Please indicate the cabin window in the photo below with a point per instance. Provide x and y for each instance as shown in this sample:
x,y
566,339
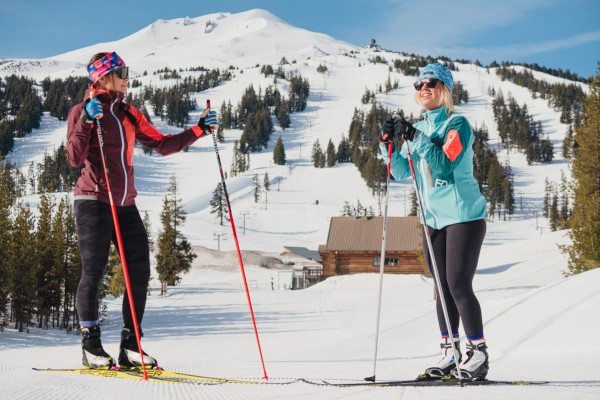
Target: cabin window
x,y
389,262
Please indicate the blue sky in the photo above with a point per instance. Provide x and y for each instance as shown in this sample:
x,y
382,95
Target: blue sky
x,y
555,33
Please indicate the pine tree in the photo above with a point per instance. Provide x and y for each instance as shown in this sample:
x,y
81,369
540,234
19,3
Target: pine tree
x,y
317,155
584,253
554,212
68,259
414,205
564,213
266,182
256,186
174,254
5,236
347,210
283,115
148,228
279,152
22,261
48,285
330,154
218,204
343,151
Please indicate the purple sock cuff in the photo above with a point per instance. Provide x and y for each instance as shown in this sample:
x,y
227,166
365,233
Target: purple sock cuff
x,y
472,338
88,324
445,334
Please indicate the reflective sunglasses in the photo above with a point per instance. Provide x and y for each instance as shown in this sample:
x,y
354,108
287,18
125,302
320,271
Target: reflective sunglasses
x,y
431,83
122,73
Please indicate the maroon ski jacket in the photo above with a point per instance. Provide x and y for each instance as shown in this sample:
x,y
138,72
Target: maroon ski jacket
x,y
121,125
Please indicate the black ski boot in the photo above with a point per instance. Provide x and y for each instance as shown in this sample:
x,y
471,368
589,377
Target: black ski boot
x,y
446,363
94,355
476,366
129,353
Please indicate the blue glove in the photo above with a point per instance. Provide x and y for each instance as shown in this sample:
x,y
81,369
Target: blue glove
x,y
211,120
94,109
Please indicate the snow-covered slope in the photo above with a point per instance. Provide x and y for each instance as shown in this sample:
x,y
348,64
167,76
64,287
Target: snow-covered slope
x,y
213,41
540,325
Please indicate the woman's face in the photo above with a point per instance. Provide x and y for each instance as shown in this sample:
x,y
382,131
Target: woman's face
x,y
113,82
431,98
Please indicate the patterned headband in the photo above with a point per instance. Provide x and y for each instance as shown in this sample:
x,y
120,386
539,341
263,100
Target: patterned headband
x,y
104,66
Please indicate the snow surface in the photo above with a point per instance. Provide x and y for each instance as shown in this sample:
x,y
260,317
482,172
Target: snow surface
x,y
539,324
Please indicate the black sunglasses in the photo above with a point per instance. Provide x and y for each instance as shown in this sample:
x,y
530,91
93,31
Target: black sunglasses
x,y
431,83
122,73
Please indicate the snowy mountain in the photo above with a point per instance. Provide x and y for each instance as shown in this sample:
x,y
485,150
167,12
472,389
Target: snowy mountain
x,y
531,311
214,41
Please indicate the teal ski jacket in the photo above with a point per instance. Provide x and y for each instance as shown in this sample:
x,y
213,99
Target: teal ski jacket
x,y
442,155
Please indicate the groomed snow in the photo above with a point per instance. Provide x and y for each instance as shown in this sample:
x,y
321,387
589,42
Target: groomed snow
x,y
539,324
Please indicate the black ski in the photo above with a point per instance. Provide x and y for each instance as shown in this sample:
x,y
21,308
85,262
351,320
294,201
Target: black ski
x,y
458,383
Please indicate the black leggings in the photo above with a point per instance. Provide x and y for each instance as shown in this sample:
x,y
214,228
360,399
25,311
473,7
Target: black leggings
x,y
95,232
456,249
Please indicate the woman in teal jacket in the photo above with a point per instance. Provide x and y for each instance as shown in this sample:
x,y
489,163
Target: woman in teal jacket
x,y
455,212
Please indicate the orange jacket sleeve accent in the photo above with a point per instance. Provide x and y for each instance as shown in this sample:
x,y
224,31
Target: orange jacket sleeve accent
x,y
452,147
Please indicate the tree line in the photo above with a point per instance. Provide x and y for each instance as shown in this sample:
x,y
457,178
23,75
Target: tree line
x,y
584,221
518,129
564,98
21,110
41,264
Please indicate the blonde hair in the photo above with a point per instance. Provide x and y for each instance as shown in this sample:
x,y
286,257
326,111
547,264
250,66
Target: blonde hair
x,y
446,98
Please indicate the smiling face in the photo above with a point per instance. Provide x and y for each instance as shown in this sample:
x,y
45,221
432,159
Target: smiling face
x,y
431,98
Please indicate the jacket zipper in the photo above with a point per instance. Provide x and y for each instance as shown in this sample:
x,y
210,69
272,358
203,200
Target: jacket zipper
x,y
425,180
122,151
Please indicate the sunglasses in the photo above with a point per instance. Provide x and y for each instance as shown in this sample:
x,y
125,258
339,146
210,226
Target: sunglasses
x,y
431,83
122,73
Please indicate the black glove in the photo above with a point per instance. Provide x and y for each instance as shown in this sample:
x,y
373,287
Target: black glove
x,y
406,130
203,126
389,129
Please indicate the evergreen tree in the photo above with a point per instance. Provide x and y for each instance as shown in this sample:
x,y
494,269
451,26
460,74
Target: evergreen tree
x,y
564,213
5,237
68,261
218,204
279,152
330,154
148,228
22,261
347,210
554,212
256,186
414,205
48,284
283,115
584,253
174,255
266,182
343,151
317,156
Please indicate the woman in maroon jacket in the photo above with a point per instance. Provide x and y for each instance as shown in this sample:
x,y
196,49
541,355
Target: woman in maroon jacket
x,y
121,125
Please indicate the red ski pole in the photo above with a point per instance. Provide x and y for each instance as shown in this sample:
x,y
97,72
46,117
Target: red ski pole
x,y
237,246
382,260
117,227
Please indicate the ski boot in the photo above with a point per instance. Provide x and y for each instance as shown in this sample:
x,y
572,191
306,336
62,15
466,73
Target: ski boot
x,y
129,353
446,363
94,355
476,366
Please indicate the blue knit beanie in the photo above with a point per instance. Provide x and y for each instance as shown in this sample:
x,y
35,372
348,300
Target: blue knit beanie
x,y
437,71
